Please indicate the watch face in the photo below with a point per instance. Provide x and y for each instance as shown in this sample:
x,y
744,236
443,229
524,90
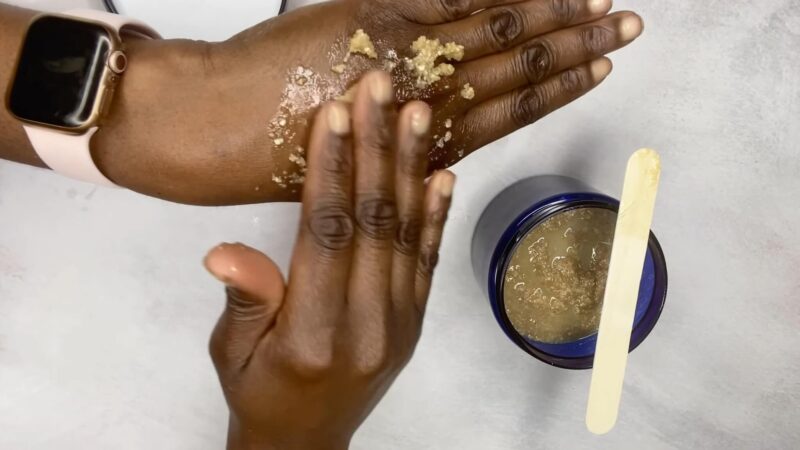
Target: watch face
x,y
60,70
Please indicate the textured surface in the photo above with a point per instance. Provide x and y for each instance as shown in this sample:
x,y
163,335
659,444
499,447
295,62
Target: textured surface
x,y
105,309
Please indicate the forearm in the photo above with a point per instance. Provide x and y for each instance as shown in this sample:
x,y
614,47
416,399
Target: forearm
x,y
14,145
114,147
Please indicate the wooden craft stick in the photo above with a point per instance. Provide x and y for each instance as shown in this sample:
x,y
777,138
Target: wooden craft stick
x,y
628,252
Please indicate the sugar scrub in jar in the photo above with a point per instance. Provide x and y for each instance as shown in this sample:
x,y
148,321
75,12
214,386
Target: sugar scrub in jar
x,y
541,252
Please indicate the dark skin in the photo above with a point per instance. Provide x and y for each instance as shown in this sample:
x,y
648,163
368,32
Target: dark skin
x,y
190,122
303,362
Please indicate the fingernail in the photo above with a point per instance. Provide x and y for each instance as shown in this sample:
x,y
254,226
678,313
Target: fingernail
x,y
420,121
338,119
445,180
599,6
600,68
380,88
218,263
630,27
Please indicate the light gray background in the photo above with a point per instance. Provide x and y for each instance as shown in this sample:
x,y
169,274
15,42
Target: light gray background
x,y
105,308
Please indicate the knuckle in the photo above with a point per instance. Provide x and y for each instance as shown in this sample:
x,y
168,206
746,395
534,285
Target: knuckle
x,y
413,161
536,61
311,365
596,38
428,259
411,338
227,357
505,26
573,80
408,235
564,11
453,9
241,309
528,106
437,218
305,354
331,226
336,162
373,360
376,216
414,164
217,350
378,139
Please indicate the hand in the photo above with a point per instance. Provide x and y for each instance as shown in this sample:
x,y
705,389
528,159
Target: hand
x,y
303,363
201,123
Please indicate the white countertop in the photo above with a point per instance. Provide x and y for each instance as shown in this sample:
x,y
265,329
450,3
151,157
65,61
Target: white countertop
x,y
105,309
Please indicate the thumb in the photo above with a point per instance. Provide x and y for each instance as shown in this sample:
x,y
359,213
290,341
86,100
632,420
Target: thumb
x,y
254,290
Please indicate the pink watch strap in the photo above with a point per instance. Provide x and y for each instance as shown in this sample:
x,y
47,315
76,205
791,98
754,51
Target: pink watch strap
x,y
122,24
69,154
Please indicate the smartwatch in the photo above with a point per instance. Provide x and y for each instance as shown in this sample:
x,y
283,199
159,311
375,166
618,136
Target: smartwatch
x,y
65,78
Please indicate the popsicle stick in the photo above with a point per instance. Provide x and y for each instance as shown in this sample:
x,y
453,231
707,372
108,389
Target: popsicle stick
x,y
622,289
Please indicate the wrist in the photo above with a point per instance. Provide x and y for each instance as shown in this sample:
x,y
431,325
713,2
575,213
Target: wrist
x,y
245,438
124,147
14,144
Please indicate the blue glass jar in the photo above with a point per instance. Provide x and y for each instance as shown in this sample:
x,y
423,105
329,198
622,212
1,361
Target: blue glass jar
x,y
510,216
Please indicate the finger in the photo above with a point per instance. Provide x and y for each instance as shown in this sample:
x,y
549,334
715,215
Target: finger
x,y
412,146
438,197
321,260
501,28
547,55
255,291
507,113
375,214
441,11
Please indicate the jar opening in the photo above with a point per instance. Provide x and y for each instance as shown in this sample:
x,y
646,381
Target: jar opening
x,y
576,353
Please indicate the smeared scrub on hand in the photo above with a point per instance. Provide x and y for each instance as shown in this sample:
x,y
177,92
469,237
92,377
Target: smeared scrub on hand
x,y
296,177
426,52
414,77
425,67
306,90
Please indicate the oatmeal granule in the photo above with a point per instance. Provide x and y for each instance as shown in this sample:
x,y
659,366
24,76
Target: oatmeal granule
x,y
361,43
468,92
297,159
390,60
426,52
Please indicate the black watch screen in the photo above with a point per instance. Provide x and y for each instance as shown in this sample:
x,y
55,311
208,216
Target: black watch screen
x,y
60,71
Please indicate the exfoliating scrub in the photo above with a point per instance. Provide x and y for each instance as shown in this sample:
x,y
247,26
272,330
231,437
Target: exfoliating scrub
x,y
419,70
541,252
555,280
